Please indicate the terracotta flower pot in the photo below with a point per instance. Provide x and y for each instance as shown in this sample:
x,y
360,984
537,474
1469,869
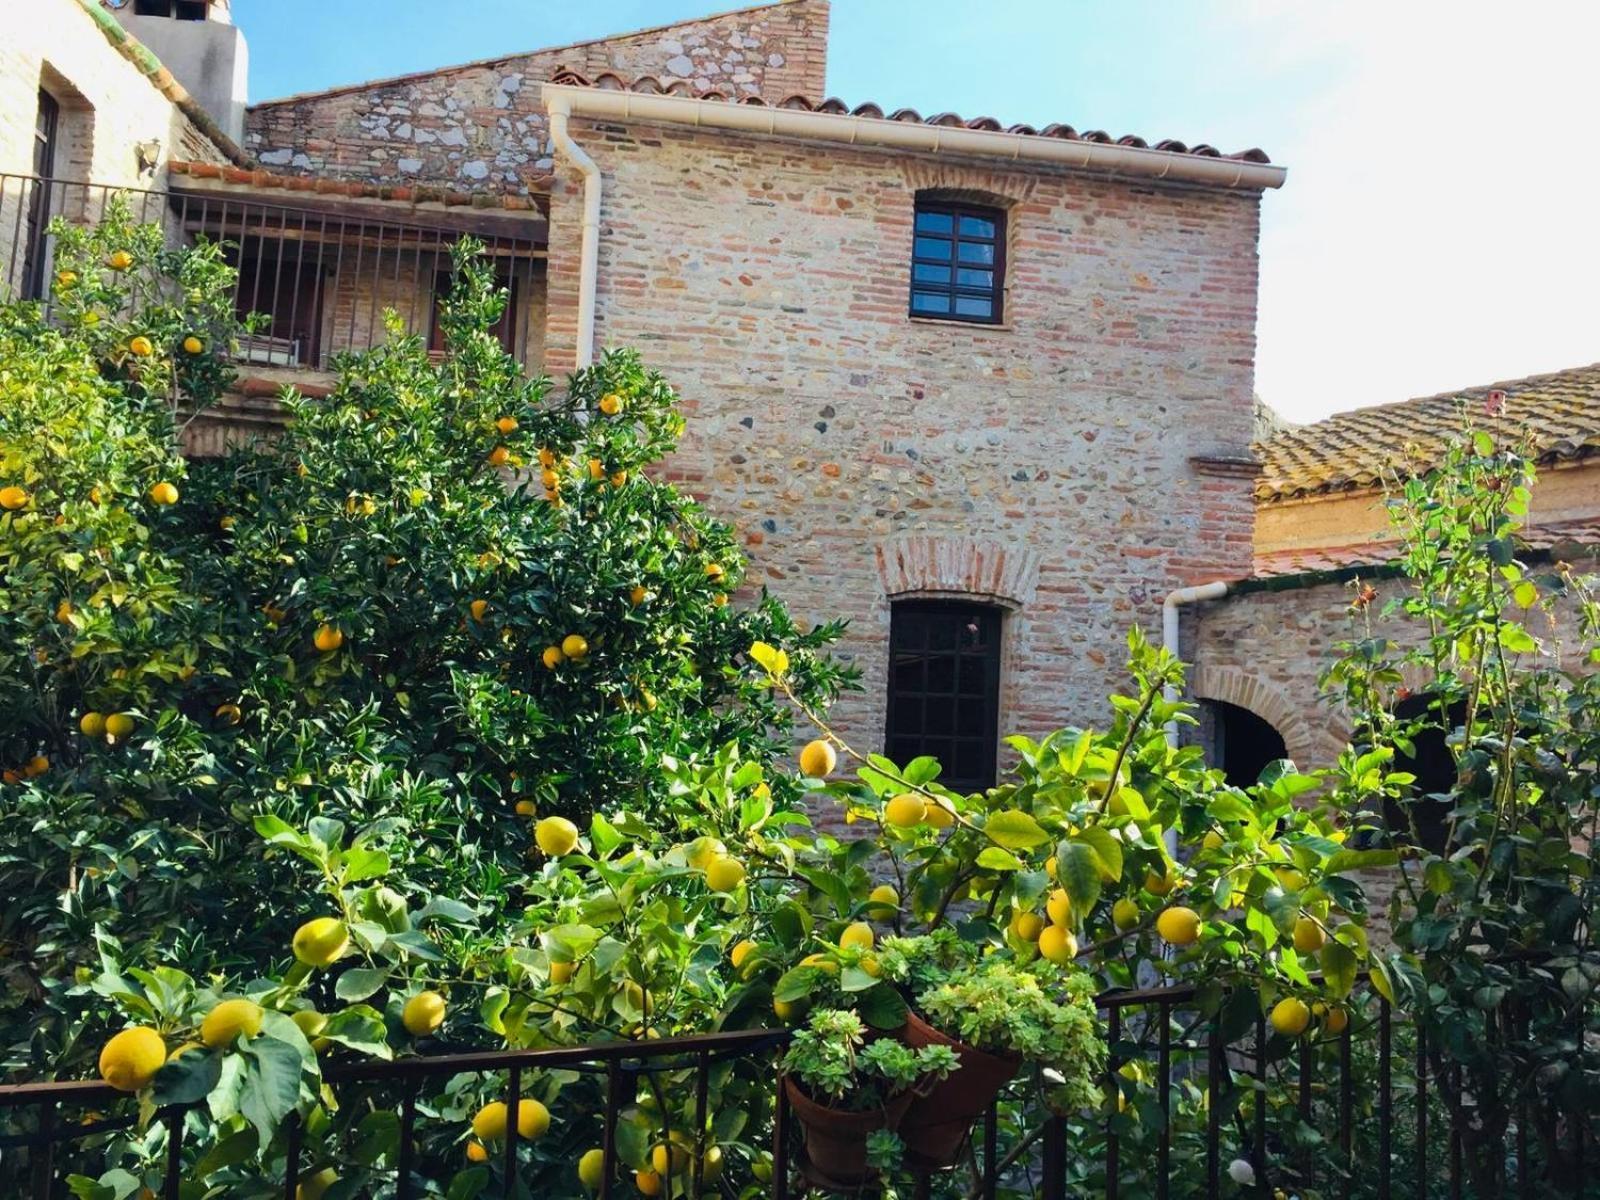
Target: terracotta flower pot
x,y
836,1141
937,1123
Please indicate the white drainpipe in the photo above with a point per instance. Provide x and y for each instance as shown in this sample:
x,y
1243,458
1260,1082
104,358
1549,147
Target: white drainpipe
x,y
559,107
1169,630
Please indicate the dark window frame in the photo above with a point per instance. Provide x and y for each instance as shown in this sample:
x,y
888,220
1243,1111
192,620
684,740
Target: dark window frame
x,y
36,248
953,288
972,718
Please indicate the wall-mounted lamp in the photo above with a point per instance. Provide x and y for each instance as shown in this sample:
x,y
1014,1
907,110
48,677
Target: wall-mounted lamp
x,y
148,154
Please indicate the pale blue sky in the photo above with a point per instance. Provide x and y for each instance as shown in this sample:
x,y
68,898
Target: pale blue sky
x,y
1437,229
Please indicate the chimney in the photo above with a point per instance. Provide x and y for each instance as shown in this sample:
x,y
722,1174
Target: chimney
x,y
197,41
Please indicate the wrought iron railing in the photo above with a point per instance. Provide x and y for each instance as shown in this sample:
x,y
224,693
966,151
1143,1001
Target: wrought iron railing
x,y
322,274
1389,1128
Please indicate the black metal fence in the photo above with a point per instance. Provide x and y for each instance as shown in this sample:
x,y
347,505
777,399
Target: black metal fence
x,y
321,275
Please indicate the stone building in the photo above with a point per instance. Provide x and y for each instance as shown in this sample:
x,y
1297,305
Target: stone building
x,y
984,390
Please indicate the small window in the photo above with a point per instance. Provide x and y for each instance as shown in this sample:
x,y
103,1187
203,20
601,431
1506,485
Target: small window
x,y
944,689
1244,744
40,202
958,262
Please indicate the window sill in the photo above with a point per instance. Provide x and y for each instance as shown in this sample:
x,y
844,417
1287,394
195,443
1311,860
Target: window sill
x,y
951,322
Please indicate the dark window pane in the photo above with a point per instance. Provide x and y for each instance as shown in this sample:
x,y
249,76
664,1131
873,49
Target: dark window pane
x,y
909,673
930,302
971,306
941,717
941,676
970,278
907,717
935,222
973,760
974,675
938,248
977,227
977,252
953,716
928,273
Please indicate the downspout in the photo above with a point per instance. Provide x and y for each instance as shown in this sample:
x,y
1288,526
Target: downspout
x,y
1169,631
560,108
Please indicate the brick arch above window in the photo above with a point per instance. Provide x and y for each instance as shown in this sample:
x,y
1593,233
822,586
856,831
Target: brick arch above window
x,y
1001,189
1312,733
974,568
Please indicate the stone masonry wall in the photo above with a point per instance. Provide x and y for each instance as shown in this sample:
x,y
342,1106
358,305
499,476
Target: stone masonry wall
x,y
482,127
1043,465
107,106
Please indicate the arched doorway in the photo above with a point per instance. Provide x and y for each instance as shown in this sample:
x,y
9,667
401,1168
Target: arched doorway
x,y
1243,744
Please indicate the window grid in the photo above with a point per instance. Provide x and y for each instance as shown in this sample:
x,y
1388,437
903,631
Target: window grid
x,y
944,688
958,263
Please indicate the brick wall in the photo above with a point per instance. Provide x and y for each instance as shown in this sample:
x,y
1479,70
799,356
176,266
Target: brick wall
x,y
107,106
482,126
1044,464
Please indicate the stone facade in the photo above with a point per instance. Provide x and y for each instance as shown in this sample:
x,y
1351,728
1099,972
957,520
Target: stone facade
x,y
482,126
1044,465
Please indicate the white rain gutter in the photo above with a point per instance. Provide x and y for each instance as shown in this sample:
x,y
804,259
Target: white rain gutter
x,y
905,135
1169,630
559,108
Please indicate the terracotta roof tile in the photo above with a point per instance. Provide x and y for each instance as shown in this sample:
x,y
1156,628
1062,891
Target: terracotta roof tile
x,y
404,193
1556,537
1354,450
611,81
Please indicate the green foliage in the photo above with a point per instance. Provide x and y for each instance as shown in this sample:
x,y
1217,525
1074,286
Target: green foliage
x,y
829,1059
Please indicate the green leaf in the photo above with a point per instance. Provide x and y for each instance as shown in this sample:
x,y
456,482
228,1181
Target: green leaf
x,y
883,1008
235,1148
993,858
1360,860
1015,830
1338,968
360,982
1107,849
1526,594
468,1184
361,1028
797,983
362,864
189,1078
271,1086
1078,870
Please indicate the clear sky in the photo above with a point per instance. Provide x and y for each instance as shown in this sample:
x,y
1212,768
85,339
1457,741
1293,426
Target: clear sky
x,y
1441,223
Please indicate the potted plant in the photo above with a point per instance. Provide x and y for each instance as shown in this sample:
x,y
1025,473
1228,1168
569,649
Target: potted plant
x,y
850,1094
993,1016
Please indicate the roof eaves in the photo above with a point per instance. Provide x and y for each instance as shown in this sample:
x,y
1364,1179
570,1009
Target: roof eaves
x,y
147,64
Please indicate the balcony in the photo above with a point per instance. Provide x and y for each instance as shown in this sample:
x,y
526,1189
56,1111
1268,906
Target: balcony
x,y
322,262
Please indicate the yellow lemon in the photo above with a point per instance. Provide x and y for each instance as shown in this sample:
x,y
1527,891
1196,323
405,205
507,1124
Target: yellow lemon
x,y
120,260
905,810
553,657
1057,944
556,836
1059,907
506,424
36,766
575,647
225,1022
857,934
592,1169
939,816
131,1059
1125,914
703,851
477,1152
638,596
884,897
533,1119
499,456
724,874
714,571
193,345
228,714
310,1021
321,942
526,808
423,1013
818,759
179,1051
163,493
1178,925
1027,926
611,404
477,608
92,724
141,347
1159,884
1289,879
1308,935
560,972
1336,1020
711,1165
1212,840
328,638
66,278
316,1186
665,1157
788,1011
1050,866
741,953
118,726
13,498
1290,1016
648,1183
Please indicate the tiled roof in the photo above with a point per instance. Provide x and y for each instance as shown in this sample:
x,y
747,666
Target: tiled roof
x,y
650,85
1354,450
1558,538
405,193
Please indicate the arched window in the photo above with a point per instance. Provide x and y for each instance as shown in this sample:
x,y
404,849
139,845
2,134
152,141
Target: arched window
x,y
944,688
1244,744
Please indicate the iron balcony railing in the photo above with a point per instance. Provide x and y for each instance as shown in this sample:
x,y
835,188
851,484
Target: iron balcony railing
x,y
1388,1128
321,274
